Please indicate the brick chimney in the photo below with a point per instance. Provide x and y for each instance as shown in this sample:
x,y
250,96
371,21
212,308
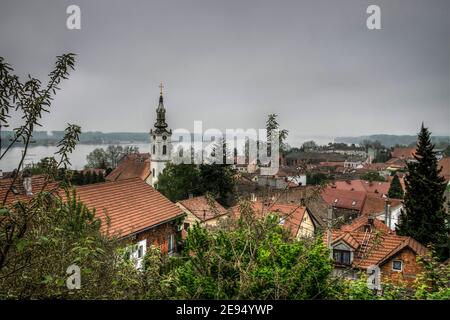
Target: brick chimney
x,y
27,185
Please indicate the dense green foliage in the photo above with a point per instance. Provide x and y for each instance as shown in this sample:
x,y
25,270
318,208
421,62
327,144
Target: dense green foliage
x,y
251,258
372,176
317,178
177,182
424,217
110,157
396,189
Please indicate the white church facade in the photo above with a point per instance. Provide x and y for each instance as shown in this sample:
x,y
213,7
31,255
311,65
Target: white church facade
x,y
160,142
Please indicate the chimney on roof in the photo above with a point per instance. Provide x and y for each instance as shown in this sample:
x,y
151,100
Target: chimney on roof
x,y
370,219
387,212
253,197
191,195
1,174
27,185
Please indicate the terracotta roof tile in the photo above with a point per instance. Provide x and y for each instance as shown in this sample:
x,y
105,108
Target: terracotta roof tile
x,y
381,246
291,214
203,208
377,205
445,164
346,199
130,205
133,165
37,184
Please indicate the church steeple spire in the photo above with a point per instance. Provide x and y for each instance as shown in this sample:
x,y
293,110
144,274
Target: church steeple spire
x,y
160,124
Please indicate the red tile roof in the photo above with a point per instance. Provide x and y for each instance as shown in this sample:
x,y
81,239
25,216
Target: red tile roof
x,y
292,214
38,183
445,164
404,153
203,208
130,205
133,165
377,205
382,245
345,199
375,188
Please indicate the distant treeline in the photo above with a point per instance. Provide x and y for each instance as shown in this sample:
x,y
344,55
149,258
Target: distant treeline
x,y
43,138
390,140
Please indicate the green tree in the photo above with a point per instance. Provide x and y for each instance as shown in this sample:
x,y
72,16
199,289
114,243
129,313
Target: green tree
x,y
87,177
272,124
251,258
424,217
396,189
218,180
318,178
98,158
372,176
176,182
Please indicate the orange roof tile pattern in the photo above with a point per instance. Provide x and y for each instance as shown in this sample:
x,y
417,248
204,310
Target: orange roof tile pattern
x,y
18,193
403,153
378,205
375,188
291,215
345,199
381,246
130,206
203,208
133,165
445,164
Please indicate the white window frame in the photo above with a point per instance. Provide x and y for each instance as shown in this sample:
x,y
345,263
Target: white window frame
x,y
401,265
170,240
134,254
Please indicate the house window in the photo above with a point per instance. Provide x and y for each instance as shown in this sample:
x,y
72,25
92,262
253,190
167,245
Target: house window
x,y
171,244
397,265
164,149
341,256
137,253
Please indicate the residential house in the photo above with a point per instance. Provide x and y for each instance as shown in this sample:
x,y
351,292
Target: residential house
x,y
203,210
346,204
297,219
134,165
134,211
368,242
444,163
374,188
386,210
25,187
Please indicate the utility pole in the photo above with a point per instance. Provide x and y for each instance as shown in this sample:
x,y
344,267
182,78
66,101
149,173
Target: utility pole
x,y
329,226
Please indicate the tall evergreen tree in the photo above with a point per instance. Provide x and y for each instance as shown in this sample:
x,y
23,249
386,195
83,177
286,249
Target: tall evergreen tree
x,y
395,190
423,216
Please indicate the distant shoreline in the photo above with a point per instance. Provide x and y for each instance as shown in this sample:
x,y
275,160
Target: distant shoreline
x,y
52,138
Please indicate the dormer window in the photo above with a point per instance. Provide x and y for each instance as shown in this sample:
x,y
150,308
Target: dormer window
x,y
342,256
397,265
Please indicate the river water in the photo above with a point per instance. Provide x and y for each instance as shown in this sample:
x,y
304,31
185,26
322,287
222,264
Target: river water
x,y
77,158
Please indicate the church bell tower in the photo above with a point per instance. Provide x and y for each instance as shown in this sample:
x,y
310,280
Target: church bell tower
x,y
160,138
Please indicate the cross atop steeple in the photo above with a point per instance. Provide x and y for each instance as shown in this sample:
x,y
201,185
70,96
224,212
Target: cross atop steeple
x,y
161,87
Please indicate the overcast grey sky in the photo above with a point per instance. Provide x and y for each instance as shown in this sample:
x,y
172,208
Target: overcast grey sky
x,y
232,62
